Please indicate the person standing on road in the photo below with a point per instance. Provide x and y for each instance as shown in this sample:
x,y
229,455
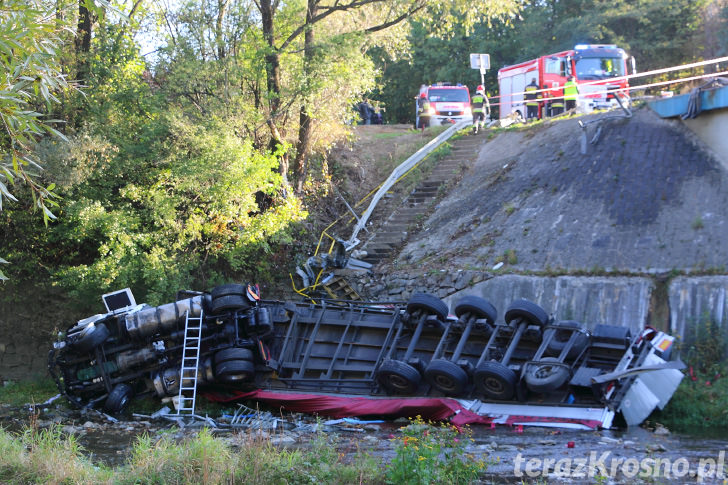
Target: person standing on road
x,y
571,92
423,105
532,96
477,105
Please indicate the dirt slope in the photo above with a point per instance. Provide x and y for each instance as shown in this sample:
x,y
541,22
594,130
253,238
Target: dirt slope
x,y
648,197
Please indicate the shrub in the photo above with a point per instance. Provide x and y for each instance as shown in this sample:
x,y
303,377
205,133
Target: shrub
x,y
433,454
701,400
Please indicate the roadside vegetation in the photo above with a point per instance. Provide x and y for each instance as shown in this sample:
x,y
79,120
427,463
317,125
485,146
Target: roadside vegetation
x,y
424,454
700,404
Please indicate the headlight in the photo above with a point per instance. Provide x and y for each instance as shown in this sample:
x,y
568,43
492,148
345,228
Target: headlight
x,y
431,110
468,112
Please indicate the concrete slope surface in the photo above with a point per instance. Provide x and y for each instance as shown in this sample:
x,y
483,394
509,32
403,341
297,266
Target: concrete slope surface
x,y
647,197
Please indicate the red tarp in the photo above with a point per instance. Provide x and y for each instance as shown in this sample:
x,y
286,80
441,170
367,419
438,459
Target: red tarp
x,y
429,408
435,409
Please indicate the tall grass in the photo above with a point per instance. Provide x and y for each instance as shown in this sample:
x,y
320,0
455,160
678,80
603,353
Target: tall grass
x,y
45,456
50,457
423,453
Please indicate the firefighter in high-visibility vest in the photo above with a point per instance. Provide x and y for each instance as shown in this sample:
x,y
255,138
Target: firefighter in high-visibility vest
x,y
477,105
423,105
571,91
557,105
532,97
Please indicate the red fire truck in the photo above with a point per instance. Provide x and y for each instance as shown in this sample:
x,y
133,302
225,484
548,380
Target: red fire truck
x,y
598,69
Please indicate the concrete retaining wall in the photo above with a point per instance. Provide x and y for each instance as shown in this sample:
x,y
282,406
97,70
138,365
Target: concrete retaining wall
x,y
677,306
693,301
613,301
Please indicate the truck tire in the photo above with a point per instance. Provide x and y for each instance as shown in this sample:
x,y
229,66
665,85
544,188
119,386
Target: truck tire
x,y
234,353
228,302
235,371
91,337
229,289
447,377
612,334
429,304
495,381
561,338
546,376
398,377
529,311
118,398
477,306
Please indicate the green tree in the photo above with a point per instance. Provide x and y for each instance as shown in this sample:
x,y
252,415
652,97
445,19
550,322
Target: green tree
x,y
32,81
281,27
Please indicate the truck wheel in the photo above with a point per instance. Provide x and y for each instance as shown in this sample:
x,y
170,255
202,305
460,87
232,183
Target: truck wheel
x,y
229,289
447,377
561,338
478,307
547,375
118,398
205,374
529,311
229,302
234,353
91,337
495,380
398,377
428,304
235,371
618,337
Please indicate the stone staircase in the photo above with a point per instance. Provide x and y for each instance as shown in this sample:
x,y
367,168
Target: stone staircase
x,y
404,220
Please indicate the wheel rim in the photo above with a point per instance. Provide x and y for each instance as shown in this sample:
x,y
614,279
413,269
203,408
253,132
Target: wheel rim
x,y
235,377
545,371
398,382
493,384
445,383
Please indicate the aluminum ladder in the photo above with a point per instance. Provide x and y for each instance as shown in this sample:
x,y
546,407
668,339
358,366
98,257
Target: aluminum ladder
x,y
190,363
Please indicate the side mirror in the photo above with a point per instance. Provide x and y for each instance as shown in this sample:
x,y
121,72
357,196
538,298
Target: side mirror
x,y
632,65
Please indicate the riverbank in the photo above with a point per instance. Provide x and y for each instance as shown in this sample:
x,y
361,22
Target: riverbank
x,y
53,443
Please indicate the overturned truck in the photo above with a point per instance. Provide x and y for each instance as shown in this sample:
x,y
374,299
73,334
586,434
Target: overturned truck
x,y
353,358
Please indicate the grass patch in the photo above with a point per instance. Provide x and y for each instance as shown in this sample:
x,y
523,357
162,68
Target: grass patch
x,y
700,403
46,456
31,391
385,136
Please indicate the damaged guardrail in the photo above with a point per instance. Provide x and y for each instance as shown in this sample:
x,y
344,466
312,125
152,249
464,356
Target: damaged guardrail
x,y
339,254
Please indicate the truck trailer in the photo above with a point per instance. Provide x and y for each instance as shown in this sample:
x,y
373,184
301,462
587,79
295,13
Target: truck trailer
x,y
353,358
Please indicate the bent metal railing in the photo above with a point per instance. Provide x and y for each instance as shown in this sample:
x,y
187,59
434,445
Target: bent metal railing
x,y
313,279
403,168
